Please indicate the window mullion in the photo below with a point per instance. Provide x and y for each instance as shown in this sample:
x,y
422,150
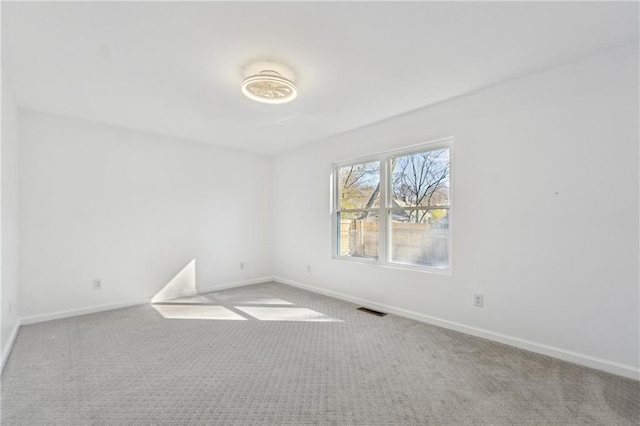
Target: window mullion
x,y
383,245
420,208
356,210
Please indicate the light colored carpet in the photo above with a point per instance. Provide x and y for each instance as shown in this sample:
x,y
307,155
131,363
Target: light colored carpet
x,y
276,355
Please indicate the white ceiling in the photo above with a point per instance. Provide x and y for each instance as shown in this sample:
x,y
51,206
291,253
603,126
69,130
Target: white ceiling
x,y
175,68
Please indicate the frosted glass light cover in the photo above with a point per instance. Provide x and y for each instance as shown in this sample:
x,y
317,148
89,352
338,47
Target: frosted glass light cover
x,y
269,87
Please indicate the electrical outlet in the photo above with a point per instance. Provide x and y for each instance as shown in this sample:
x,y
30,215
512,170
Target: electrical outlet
x,y
478,300
241,265
309,269
97,284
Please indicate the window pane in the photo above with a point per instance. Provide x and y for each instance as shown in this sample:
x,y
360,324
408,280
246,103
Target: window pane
x,y
358,234
420,179
359,186
420,237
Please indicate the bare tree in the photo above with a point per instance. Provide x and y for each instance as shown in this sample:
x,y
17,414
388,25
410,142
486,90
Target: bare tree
x,y
421,180
357,184
418,180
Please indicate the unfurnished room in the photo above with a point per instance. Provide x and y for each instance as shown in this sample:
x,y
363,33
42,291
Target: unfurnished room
x,y
320,213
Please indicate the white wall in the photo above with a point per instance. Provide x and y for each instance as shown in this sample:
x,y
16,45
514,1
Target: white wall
x,y
545,213
133,209
9,302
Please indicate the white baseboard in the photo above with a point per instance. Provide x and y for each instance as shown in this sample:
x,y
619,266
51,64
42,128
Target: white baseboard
x,y
81,311
125,304
187,293
565,355
10,343
209,289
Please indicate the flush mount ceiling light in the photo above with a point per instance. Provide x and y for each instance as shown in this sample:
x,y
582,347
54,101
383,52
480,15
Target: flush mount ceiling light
x,y
269,83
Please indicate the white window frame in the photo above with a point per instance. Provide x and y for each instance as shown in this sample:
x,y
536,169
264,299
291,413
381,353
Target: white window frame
x,y
385,206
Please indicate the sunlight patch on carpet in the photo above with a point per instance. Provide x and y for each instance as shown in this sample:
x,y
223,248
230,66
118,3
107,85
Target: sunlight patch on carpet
x,y
201,312
285,314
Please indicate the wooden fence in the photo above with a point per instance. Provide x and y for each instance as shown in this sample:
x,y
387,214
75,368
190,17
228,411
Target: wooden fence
x,y
414,243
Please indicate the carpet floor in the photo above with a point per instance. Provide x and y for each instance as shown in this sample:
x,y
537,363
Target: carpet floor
x,y
270,354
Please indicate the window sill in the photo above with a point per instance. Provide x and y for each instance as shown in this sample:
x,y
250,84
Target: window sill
x,y
391,265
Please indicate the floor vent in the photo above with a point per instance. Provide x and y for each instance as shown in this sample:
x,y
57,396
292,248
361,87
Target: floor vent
x,y
372,312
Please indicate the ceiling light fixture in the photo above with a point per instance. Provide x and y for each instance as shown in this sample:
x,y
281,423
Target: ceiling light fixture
x,y
269,83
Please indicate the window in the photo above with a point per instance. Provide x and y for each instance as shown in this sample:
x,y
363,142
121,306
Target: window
x,y
358,210
395,208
